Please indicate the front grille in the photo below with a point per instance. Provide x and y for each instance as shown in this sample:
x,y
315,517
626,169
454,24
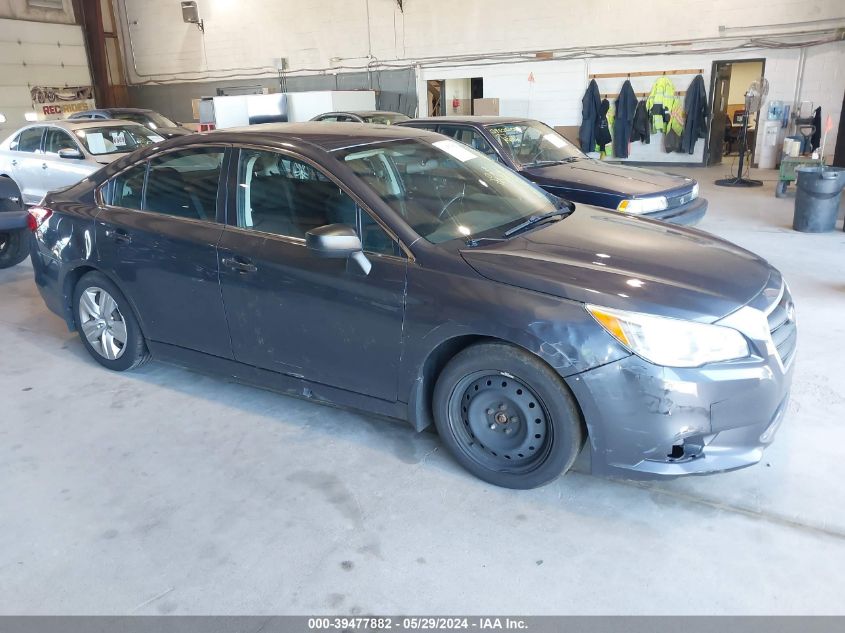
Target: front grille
x,y
680,199
783,329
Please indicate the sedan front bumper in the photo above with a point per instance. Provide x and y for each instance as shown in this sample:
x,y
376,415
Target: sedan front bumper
x,y
687,214
646,421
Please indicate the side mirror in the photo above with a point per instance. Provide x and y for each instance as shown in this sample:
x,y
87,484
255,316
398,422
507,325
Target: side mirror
x,y
70,152
337,241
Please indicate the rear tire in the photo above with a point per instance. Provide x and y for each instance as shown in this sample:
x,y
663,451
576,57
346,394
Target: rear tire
x,y
507,417
107,325
14,245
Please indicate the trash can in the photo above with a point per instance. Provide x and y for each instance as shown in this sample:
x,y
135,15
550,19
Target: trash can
x,y
817,199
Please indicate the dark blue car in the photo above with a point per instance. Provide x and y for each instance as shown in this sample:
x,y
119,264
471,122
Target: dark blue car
x,y
539,153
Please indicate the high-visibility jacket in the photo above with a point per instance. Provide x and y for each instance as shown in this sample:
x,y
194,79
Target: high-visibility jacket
x,y
662,93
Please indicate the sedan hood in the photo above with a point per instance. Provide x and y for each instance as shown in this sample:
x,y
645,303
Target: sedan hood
x,y
172,132
108,159
602,257
595,175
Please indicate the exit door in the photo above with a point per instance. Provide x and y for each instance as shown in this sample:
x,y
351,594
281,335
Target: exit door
x,y
719,120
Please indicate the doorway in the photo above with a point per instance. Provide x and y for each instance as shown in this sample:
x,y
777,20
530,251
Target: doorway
x,y
731,79
434,90
453,96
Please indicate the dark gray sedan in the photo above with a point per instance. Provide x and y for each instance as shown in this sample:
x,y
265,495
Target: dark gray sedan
x,y
400,272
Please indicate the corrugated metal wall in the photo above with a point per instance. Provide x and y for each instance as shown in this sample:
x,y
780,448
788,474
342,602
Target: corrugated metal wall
x,y
37,54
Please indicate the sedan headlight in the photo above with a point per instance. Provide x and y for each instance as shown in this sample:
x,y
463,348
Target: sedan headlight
x,y
671,342
636,206
694,191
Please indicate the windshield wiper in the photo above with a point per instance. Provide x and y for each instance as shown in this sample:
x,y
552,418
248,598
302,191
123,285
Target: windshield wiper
x,y
534,219
475,241
546,163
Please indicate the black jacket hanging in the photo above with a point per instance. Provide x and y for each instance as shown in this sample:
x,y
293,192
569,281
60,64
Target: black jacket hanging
x,y
695,106
816,138
590,105
626,105
640,130
603,128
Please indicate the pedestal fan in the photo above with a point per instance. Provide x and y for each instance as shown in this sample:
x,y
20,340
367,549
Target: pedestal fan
x,y
754,96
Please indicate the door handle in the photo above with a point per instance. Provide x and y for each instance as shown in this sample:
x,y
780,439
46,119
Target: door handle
x,y
14,163
240,265
43,165
119,236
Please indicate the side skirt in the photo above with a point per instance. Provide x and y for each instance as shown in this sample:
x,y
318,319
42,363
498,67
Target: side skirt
x,y
274,381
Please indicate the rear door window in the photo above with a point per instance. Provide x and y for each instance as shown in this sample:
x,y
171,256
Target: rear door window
x,y
127,188
28,141
184,183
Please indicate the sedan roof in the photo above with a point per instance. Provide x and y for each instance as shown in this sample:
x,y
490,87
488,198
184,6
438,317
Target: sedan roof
x,y
363,112
81,124
328,135
467,119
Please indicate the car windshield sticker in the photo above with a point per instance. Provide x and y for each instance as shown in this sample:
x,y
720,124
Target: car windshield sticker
x,y
555,140
96,143
456,150
119,139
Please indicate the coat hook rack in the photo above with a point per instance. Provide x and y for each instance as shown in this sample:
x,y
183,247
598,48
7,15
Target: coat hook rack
x,y
653,73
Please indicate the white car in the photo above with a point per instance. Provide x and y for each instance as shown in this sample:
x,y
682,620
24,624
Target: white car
x,y
51,155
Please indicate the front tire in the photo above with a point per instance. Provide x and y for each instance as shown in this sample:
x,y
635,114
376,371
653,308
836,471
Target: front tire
x,y
13,248
107,325
507,417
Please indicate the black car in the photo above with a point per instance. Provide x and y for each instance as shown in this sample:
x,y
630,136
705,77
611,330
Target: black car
x,y
149,118
382,117
542,155
400,272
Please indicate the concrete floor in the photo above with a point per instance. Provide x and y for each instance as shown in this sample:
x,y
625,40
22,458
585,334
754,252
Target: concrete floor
x,y
164,491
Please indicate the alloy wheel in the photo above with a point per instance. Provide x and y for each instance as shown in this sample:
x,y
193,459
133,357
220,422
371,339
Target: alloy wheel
x,y
102,323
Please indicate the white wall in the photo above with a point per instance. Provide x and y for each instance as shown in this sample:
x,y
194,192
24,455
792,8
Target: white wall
x,y
824,78
460,89
37,54
242,38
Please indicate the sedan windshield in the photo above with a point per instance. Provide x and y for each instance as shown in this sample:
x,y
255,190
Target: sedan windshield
x,y
152,120
531,143
386,118
116,139
445,190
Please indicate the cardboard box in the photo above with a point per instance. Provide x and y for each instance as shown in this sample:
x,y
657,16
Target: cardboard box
x,y
569,132
485,107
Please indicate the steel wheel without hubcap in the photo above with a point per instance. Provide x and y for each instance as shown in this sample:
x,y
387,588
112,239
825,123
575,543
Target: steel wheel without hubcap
x,y
102,323
500,423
